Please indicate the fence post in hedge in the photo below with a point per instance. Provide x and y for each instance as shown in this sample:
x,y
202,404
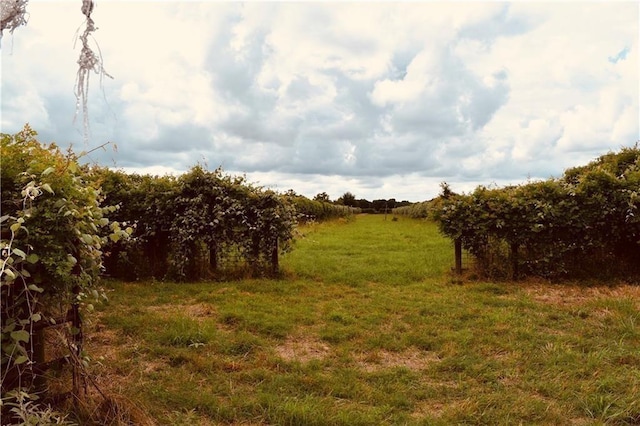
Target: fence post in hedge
x,y
213,257
274,257
458,254
38,358
514,261
76,338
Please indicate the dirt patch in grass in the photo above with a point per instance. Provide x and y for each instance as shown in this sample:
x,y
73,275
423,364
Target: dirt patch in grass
x,y
303,349
199,311
106,341
102,342
436,409
412,358
573,295
428,408
196,311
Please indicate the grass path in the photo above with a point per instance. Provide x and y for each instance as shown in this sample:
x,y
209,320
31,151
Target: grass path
x,y
371,250
366,328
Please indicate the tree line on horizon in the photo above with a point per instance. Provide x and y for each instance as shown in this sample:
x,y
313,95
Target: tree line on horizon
x,y
376,206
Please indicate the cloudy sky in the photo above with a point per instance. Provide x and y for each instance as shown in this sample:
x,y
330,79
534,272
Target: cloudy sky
x,y
380,99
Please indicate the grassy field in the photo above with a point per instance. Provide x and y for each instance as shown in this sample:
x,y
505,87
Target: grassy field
x,y
367,327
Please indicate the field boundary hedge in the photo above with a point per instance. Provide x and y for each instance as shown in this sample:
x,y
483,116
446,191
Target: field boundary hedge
x,y
200,225
585,224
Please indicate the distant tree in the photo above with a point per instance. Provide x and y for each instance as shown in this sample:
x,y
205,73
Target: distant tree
x,y
379,205
323,196
446,191
363,203
347,199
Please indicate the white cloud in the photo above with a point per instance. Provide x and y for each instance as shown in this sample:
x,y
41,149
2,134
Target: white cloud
x,y
338,96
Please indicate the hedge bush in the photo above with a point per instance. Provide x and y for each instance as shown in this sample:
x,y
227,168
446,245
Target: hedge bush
x,y
584,224
200,225
54,227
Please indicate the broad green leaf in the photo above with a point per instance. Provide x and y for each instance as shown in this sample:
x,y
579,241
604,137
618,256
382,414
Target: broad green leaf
x,y
48,171
21,359
9,327
47,188
20,253
15,227
33,258
10,348
35,288
20,336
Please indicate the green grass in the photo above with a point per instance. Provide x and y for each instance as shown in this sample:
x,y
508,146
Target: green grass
x,y
366,326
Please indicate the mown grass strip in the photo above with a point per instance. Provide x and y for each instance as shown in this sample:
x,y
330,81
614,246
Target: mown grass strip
x,y
367,327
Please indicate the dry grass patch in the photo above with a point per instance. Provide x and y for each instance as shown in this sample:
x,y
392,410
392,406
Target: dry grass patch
x,y
437,409
573,295
103,342
412,359
193,310
302,349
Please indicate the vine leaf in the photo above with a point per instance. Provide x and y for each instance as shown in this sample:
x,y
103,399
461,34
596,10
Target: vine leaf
x,y
20,253
20,336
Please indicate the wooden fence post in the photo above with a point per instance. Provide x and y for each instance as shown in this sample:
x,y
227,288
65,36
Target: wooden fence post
x,y
38,358
514,261
213,257
274,258
77,338
458,255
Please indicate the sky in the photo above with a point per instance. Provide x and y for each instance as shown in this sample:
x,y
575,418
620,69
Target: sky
x,y
381,99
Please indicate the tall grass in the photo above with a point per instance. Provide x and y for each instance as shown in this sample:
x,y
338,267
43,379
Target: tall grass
x,y
367,327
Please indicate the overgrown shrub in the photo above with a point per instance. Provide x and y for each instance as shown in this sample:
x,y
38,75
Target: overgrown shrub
x,y
199,225
53,230
585,224
315,210
420,210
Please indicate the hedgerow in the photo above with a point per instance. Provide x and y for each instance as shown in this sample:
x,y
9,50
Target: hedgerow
x,y
314,210
54,227
420,210
584,224
196,226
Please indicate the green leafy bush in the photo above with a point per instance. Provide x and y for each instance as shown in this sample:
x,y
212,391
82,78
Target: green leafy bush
x,y
53,231
585,224
319,210
196,226
420,210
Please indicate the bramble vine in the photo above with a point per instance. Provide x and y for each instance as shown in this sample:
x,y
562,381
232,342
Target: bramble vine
x,y
53,231
186,227
584,224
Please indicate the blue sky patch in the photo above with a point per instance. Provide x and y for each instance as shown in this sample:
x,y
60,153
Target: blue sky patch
x,y
621,56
